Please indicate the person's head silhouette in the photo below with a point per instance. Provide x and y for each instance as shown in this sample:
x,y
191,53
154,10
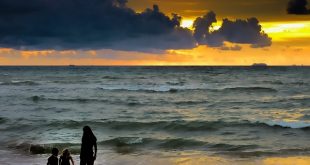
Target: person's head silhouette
x,y
65,153
88,134
55,151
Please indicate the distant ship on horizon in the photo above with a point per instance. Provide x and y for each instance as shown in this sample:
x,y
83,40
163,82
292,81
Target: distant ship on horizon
x,y
259,65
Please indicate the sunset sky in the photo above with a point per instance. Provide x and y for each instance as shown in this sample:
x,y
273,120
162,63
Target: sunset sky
x,y
137,32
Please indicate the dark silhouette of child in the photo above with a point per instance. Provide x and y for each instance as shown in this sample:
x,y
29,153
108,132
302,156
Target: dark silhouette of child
x,y
89,147
65,158
53,159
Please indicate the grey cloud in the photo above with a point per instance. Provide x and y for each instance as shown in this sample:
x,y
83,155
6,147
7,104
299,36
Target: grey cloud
x,y
93,24
239,31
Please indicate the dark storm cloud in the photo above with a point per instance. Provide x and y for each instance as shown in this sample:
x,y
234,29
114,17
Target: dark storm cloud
x,y
298,7
93,24
239,31
110,24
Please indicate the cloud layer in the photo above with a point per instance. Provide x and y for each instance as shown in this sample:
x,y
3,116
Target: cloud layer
x,y
298,7
110,24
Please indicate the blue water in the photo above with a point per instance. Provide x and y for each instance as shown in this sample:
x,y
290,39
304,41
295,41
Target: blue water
x,y
234,111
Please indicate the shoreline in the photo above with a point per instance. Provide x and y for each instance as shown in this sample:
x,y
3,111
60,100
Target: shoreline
x,y
156,66
113,158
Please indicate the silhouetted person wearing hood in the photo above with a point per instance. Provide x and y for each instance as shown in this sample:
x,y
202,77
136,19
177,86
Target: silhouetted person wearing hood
x,y
89,147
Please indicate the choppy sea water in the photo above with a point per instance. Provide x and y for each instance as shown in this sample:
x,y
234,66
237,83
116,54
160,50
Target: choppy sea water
x,y
239,112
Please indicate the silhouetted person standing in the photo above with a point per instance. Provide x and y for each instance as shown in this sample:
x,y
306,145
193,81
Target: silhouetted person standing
x,y
53,159
89,147
65,158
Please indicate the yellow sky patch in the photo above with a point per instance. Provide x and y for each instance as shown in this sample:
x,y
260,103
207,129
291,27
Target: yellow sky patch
x,y
187,23
280,31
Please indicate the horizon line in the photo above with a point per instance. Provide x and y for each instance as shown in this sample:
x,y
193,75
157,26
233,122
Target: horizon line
x,y
73,65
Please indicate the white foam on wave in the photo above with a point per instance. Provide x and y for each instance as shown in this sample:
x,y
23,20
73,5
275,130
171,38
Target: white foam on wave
x,y
156,88
135,141
289,124
300,97
19,82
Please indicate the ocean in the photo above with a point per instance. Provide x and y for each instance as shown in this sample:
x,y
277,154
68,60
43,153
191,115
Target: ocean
x,y
155,115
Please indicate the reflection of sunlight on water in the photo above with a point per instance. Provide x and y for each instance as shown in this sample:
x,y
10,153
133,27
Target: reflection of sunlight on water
x,y
279,117
200,160
112,158
287,161
227,161
286,115
282,115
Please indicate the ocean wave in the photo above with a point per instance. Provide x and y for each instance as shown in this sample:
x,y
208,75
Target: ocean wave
x,y
138,144
80,100
292,124
179,125
124,141
267,102
299,98
90,100
74,81
112,77
276,82
123,77
249,89
156,88
126,101
166,126
175,88
3,120
128,125
299,83
188,102
127,145
20,83
133,143
146,90
279,82
44,148
175,83
305,117
230,147
117,143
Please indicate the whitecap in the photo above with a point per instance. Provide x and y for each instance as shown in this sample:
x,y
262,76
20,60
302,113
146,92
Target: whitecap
x,y
289,124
